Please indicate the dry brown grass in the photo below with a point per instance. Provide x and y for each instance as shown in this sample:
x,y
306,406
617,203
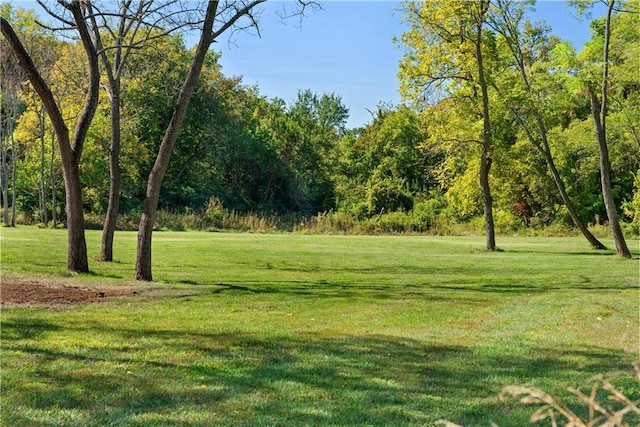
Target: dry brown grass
x,y
611,413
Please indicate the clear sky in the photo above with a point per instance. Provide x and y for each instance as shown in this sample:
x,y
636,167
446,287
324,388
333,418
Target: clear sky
x,y
346,48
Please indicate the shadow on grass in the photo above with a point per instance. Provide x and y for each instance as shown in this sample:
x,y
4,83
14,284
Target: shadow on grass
x,y
22,328
454,291
165,377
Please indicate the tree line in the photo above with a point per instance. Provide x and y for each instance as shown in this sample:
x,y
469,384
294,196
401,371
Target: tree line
x,y
503,122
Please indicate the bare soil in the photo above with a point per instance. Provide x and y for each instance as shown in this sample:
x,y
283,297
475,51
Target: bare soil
x,y
17,291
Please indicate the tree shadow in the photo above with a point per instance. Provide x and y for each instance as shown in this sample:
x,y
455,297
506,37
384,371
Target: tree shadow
x,y
209,378
440,289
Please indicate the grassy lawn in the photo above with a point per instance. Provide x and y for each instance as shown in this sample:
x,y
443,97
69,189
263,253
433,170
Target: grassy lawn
x,y
287,329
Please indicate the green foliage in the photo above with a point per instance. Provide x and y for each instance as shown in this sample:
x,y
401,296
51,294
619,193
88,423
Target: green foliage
x,y
388,196
634,211
277,164
381,164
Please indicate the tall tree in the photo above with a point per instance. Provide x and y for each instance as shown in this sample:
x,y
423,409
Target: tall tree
x,y
70,148
121,28
383,163
599,111
446,57
597,85
305,136
226,14
529,48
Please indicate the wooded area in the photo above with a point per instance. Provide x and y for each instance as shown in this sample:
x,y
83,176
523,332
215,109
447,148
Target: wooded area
x,y
504,123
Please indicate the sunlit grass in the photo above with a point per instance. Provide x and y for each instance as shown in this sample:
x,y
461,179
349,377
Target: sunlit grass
x,y
314,330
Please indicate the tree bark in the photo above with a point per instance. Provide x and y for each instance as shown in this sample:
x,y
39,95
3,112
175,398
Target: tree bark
x,y
4,180
113,71
485,158
605,180
154,182
54,216
43,191
110,222
599,114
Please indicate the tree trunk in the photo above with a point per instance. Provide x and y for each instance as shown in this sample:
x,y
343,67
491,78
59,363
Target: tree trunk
x,y
77,250
43,194
145,230
4,178
487,201
543,147
110,222
53,185
485,158
13,181
70,154
605,180
599,114
113,93
154,182
595,243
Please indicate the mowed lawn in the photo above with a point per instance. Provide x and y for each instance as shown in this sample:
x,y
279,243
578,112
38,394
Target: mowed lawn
x,y
289,329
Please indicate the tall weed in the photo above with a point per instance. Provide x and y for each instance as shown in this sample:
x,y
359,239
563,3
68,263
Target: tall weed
x,y
607,403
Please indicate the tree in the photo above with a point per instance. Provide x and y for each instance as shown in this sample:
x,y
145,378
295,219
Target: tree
x,y
598,93
70,148
226,15
599,110
531,88
304,137
11,79
136,25
446,57
381,166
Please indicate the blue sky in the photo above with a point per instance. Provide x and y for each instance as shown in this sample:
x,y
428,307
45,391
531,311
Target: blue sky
x,y
346,48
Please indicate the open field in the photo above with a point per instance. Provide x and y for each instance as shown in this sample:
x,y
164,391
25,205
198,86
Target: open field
x,y
288,329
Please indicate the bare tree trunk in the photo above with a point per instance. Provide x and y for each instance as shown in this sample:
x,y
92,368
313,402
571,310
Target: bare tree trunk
x,y
13,181
43,193
77,251
110,222
599,114
4,177
114,72
487,201
54,215
605,180
485,158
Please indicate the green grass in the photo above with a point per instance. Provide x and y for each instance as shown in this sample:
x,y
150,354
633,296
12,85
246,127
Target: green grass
x,y
288,329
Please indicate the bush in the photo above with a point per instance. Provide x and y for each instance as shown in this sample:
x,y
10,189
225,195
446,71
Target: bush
x,y
506,222
214,213
392,223
388,196
425,214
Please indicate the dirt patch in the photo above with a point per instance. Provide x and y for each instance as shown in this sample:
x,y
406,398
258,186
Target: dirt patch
x,y
16,291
